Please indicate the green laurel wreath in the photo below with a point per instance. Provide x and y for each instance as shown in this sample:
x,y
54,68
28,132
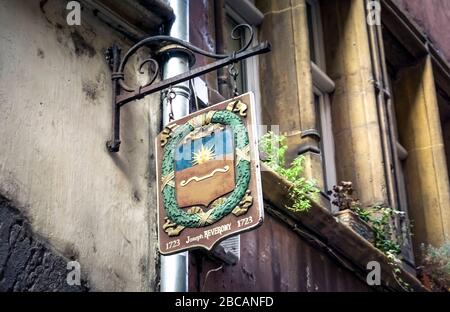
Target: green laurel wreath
x,y
241,141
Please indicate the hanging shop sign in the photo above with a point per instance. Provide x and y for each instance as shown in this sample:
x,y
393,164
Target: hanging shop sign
x,y
209,185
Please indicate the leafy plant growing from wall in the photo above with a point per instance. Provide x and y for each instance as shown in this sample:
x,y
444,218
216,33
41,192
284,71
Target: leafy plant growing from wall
x,y
380,219
273,148
435,270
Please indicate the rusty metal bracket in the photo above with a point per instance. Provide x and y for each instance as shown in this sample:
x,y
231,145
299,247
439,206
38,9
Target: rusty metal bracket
x,y
123,94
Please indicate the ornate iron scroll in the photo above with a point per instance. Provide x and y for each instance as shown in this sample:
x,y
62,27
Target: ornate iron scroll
x,y
123,93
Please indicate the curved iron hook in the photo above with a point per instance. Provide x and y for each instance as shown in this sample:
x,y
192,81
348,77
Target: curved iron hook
x,y
237,36
155,70
153,62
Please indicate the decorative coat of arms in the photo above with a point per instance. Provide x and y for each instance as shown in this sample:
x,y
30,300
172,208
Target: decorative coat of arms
x,y
208,176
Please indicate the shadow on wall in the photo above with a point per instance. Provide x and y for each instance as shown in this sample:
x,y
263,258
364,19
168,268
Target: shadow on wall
x,y
26,262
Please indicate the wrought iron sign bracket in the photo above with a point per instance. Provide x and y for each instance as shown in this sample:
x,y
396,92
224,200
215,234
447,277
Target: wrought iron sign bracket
x,y
123,94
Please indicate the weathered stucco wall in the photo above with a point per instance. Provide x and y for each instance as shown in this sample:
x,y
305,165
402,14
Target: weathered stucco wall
x,y
55,116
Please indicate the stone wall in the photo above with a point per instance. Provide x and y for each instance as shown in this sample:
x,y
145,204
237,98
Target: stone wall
x,y
26,262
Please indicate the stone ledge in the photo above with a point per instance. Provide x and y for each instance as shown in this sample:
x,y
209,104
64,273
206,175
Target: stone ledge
x,y
137,19
340,239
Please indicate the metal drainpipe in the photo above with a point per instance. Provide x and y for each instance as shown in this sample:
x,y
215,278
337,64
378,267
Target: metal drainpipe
x,y
174,268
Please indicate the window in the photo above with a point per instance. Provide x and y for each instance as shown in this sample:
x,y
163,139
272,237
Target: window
x,y
313,19
235,45
322,87
400,81
400,156
247,80
244,12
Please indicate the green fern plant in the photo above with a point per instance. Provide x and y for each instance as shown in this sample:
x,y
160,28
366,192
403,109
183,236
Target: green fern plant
x,y
274,147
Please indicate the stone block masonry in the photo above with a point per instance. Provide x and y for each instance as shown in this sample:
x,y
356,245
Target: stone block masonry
x,y
26,262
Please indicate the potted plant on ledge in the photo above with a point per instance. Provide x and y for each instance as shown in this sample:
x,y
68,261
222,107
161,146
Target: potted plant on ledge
x,y
350,211
372,223
375,223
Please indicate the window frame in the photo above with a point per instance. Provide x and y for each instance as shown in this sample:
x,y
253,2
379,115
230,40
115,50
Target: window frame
x,y
323,86
317,34
251,64
251,80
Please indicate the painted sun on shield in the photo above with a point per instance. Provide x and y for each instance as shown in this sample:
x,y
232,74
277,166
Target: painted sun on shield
x,y
208,176
204,166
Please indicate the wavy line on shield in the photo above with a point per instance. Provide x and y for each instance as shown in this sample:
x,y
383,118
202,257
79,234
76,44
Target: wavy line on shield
x,y
198,179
